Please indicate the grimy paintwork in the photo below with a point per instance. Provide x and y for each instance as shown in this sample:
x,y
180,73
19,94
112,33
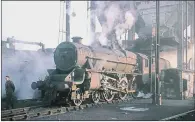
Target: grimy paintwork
x,y
84,72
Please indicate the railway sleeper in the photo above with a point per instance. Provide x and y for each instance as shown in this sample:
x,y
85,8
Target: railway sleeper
x,y
55,111
18,111
15,117
13,113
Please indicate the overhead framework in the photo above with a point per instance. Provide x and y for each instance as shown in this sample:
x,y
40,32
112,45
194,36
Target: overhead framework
x,y
64,29
68,10
62,32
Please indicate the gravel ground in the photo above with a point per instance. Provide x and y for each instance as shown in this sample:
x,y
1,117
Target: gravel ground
x,y
136,110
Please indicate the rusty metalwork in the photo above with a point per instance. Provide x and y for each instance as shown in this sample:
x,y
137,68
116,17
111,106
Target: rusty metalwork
x,y
85,69
106,59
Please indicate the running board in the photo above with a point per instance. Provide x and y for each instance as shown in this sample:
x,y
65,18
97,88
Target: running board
x,y
118,90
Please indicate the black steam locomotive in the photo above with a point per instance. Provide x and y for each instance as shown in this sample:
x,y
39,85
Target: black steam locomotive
x,y
89,73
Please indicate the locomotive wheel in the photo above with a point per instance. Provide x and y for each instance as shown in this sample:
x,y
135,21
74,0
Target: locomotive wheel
x,y
124,86
78,101
122,95
95,96
108,95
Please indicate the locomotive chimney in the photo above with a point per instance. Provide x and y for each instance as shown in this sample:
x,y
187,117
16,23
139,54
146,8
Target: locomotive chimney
x,y
77,39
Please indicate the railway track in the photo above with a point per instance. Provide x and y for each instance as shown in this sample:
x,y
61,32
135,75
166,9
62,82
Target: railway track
x,y
186,116
40,111
18,113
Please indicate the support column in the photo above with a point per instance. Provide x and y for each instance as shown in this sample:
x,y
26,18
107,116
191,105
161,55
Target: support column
x,y
150,67
180,50
68,8
186,47
193,39
151,60
157,51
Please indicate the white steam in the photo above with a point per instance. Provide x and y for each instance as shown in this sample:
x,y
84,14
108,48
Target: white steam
x,y
25,67
117,19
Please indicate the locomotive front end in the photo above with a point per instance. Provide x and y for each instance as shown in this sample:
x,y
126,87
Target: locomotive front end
x,y
65,56
69,59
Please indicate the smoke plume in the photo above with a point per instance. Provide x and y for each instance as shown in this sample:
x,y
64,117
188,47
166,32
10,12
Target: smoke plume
x,y
25,67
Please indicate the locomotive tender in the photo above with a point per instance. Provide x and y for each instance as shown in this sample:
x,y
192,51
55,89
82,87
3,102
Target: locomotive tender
x,y
84,72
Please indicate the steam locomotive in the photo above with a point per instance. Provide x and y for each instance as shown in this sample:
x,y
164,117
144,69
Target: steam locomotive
x,y
86,73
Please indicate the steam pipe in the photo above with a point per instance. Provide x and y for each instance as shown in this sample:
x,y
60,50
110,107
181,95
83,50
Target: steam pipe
x,y
68,7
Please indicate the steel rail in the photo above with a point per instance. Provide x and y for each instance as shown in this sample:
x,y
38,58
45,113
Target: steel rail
x,y
177,116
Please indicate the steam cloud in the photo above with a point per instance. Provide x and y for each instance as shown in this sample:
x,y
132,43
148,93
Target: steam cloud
x,y
25,67
118,18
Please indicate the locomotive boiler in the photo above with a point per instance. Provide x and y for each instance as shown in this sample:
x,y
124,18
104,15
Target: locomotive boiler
x,y
84,72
